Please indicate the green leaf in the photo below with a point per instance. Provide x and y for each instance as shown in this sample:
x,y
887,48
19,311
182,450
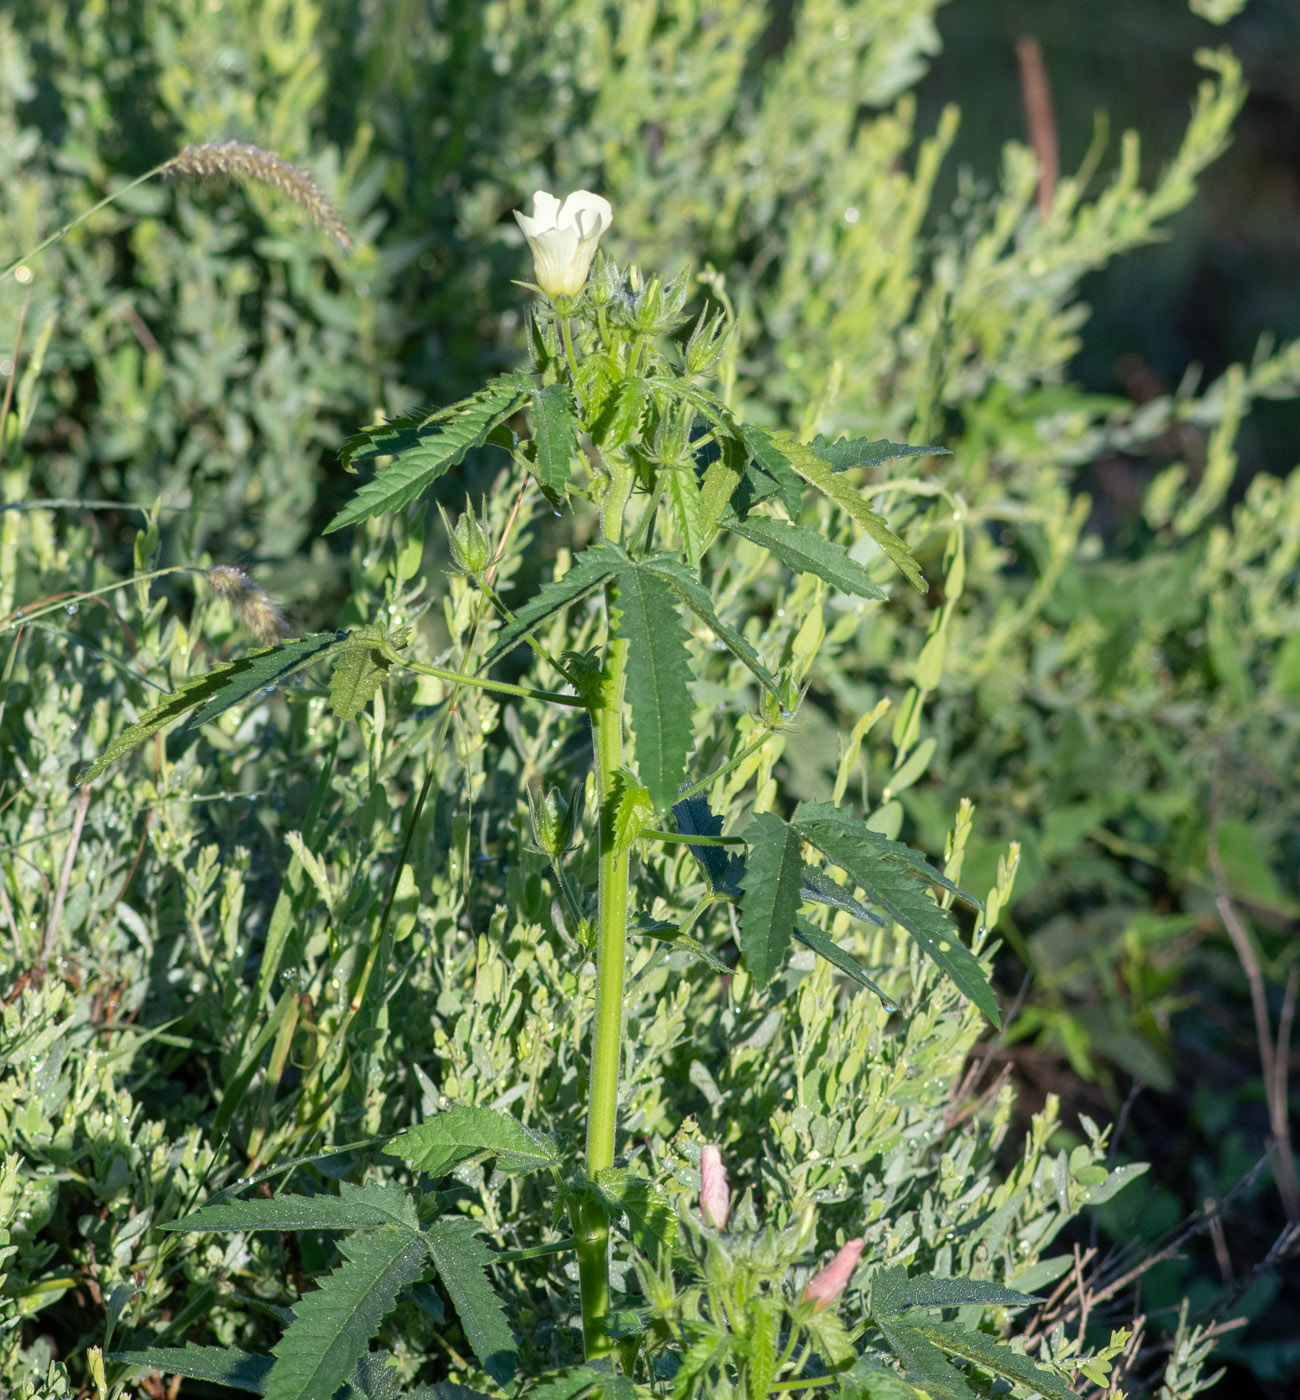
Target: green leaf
x,y
858,452
817,472
807,552
588,571
931,1291
205,697
721,477
555,431
461,1261
333,1323
461,1133
774,477
819,888
354,1208
771,898
658,680
724,868
891,875
688,588
631,810
825,947
359,670
241,1370
683,495
651,1220
418,466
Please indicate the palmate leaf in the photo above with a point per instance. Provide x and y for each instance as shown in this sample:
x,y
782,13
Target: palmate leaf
x,y
461,1261
435,452
658,679
463,1132
354,1208
816,471
241,1370
859,452
205,697
894,879
696,597
923,1344
771,894
333,1323
589,570
806,552
555,431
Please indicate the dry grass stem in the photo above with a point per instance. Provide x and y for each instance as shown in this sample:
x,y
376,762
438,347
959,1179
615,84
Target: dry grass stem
x,y
237,160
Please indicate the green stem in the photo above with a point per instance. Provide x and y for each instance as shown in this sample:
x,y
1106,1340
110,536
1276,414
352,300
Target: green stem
x,y
726,768
501,687
590,1224
568,347
678,838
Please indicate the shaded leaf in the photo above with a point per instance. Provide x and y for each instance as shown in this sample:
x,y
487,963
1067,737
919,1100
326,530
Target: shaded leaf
x,y
241,1370
774,475
807,552
354,1208
724,868
825,947
333,1323
588,571
462,1260
651,1220
819,888
658,680
893,877
463,1132
771,885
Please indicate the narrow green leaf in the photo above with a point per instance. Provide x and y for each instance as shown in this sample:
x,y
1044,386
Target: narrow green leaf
x,y
819,888
205,697
658,680
825,947
631,810
461,1261
334,1322
241,1370
892,877
588,571
418,466
776,478
858,452
761,1342
818,472
991,1355
931,1291
771,899
807,552
556,432
683,493
463,1132
396,435
688,588
354,1208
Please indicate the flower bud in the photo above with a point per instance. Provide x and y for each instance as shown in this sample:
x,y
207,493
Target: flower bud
x,y
715,1193
555,819
707,342
471,549
563,238
824,1287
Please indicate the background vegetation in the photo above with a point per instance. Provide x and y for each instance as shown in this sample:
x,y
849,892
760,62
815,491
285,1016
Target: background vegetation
x,y
1109,655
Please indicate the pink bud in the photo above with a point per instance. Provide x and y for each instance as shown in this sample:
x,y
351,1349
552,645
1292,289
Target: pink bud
x,y
825,1287
715,1194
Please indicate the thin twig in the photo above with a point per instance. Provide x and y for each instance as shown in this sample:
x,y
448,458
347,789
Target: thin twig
x,y
56,910
1036,94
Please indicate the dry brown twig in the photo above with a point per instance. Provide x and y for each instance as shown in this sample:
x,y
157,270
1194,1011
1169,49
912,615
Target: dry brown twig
x,y
1040,119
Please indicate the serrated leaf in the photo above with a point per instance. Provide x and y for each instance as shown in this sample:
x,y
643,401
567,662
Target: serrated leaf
x,y
801,459
333,1323
579,1381
719,482
463,1132
892,876
724,868
241,1370
434,453
859,452
931,1291
807,552
651,1220
658,680
771,884
205,697
670,933
589,570
354,1208
990,1354
688,588
819,888
825,947
631,810
461,1261
359,670
762,1340
555,431
774,477
683,494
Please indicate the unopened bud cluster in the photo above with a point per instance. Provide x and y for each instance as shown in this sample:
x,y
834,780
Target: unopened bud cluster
x,y
555,818
469,542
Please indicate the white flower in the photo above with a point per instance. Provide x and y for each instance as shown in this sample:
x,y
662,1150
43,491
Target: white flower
x,y
563,238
